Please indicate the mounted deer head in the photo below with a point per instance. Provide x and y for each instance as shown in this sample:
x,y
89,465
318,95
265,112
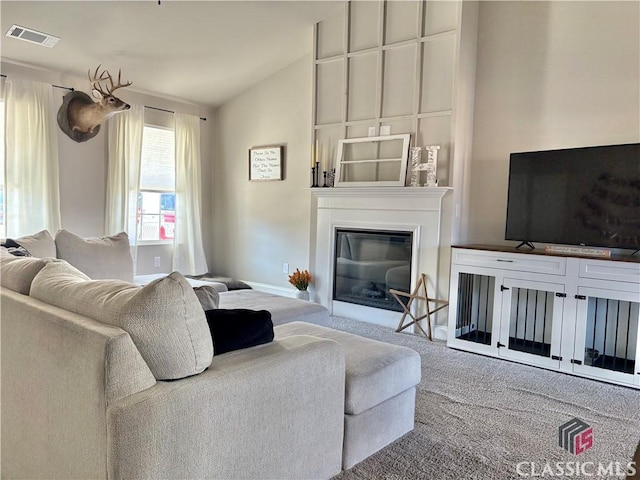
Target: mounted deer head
x,y
85,117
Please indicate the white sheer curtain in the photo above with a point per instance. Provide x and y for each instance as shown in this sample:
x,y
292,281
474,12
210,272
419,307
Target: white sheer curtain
x,y
123,178
188,252
32,189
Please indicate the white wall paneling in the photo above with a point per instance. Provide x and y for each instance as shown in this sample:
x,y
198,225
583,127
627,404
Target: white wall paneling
x,y
397,64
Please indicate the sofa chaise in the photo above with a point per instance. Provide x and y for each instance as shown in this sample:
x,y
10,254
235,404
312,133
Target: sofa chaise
x,y
108,379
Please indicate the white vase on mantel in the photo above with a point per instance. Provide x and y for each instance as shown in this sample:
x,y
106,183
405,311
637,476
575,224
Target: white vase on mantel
x,y
302,294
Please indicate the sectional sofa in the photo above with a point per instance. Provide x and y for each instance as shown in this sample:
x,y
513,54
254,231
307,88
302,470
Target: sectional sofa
x,y
102,378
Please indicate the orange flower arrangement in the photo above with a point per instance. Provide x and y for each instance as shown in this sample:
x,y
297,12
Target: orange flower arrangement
x,y
300,280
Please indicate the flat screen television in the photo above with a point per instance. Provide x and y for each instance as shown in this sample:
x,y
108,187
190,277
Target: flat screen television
x,y
579,196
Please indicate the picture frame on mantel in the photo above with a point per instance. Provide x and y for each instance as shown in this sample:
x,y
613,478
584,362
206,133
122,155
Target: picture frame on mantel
x,y
265,163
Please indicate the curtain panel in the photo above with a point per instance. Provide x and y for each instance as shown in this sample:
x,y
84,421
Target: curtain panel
x,y
188,252
32,188
123,177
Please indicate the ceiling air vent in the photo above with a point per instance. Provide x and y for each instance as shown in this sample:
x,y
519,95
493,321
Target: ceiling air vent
x,y
33,36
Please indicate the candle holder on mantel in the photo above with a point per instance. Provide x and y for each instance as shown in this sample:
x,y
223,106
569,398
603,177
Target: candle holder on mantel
x,y
315,175
324,179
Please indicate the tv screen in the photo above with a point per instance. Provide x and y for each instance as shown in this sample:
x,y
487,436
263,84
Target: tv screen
x,y
579,196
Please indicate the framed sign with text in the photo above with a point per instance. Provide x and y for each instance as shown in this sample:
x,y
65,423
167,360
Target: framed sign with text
x,y
265,163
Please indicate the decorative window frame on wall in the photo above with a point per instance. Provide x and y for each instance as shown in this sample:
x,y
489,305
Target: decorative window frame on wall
x,y
397,164
411,51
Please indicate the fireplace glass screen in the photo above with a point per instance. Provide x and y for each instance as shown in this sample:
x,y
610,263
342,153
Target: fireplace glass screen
x,y
368,264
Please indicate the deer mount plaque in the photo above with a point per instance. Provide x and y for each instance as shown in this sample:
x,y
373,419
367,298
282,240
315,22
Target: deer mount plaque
x,y
79,116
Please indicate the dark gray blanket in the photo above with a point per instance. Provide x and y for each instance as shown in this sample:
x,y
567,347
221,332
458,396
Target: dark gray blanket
x,y
231,283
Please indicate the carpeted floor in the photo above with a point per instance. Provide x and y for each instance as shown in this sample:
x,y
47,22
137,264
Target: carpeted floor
x,y
479,417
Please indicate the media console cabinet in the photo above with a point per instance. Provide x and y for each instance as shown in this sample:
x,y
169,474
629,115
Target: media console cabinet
x,y
573,314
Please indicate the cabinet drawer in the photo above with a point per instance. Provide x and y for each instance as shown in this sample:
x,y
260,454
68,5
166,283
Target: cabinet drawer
x,y
607,270
510,261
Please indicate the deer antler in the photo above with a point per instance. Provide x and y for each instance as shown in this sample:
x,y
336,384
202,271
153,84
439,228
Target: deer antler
x,y
95,80
105,75
119,85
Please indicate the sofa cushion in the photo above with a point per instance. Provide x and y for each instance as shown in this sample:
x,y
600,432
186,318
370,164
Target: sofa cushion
x,y
237,329
376,371
164,318
282,309
99,258
17,273
39,244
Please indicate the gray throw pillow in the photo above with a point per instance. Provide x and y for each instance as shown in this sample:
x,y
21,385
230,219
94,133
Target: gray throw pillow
x,y
208,296
39,244
98,258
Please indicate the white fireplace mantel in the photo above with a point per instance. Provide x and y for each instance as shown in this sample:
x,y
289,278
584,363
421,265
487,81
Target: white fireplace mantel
x,y
425,211
413,192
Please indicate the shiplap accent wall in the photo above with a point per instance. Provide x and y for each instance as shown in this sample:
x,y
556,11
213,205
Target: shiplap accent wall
x,y
397,64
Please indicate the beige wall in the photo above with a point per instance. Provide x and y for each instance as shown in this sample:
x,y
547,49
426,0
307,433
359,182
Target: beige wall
x,y
549,75
261,225
83,166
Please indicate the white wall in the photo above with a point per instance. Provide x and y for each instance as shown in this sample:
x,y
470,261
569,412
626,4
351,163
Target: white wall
x,y
261,225
83,166
549,75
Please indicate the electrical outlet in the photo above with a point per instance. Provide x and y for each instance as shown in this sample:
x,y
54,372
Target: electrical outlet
x,y
156,261
285,268
385,130
372,131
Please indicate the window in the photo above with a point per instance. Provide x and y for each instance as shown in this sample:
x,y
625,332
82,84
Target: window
x,y
156,199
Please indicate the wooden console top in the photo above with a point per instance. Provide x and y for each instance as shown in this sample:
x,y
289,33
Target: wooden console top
x,y
542,251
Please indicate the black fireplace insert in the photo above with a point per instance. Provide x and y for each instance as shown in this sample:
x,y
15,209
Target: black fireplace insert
x,y
370,262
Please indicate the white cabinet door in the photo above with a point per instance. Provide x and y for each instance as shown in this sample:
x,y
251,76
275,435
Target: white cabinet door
x,y
531,322
607,335
474,307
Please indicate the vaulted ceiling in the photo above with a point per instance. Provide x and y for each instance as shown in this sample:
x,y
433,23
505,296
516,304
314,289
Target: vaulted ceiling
x,y
204,52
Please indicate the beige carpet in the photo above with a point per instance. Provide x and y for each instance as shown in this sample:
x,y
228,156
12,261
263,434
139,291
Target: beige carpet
x,y
479,417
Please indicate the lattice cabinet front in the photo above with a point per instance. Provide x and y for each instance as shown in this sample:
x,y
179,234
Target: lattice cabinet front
x,y
474,319
575,315
532,314
607,335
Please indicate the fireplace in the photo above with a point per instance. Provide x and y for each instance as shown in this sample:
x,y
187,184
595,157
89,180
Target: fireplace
x,y
367,263
418,220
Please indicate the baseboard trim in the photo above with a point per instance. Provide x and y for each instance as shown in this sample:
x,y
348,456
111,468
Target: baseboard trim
x,y
274,289
440,332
